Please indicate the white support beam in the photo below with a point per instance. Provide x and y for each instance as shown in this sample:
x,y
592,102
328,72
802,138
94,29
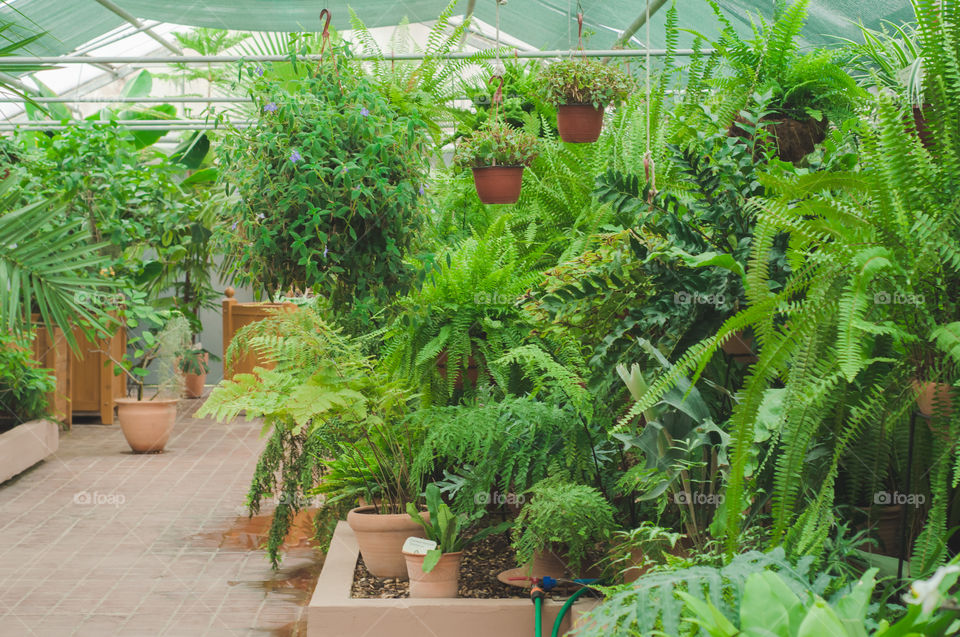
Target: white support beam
x,y
132,19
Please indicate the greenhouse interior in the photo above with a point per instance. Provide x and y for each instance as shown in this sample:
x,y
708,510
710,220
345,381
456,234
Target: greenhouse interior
x,y
459,318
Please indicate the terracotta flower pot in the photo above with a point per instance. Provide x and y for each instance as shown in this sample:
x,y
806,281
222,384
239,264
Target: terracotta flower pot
x,y
381,537
146,424
193,383
440,582
498,184
579,123
931,396
740,346
885,520
473,371
546,562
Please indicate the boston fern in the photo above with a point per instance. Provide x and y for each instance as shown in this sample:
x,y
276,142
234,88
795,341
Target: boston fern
x,y
503,446
870,305
496,144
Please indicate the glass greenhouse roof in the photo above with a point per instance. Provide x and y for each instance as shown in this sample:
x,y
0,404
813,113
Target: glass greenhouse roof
x,y
142,28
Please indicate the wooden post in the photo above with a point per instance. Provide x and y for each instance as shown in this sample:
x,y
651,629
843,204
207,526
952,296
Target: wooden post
x,y
228,303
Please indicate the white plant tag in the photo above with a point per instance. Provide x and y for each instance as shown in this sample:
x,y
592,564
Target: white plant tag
x,y
418,545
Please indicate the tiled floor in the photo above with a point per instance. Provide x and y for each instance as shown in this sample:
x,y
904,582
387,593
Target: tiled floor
x,y
97,541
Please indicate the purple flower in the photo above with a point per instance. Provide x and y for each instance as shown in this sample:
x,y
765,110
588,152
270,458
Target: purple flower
x,y
295,156
233,226
270,108
325,248
421,190
364,111
261,216
259,71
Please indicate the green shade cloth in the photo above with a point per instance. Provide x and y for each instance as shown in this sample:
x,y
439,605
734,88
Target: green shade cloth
x,y
545,24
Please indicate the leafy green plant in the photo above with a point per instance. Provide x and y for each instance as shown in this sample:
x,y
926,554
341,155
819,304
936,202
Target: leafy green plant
x,y
863,312
330,181
889,58
163,338
585,81
572,518
48,269
811,86
652,604
23,385
445,528
503,446
464,313
496,144
651,542
195,360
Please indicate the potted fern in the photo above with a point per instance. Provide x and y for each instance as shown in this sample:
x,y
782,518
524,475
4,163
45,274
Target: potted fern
x,y
497,154
148,422
434,572
581,89
560,526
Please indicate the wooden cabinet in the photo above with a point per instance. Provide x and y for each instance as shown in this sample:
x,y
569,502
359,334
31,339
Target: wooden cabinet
x,y
235,316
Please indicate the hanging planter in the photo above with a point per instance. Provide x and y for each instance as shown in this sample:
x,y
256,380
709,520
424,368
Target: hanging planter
x,y
579,123
581,89
497,155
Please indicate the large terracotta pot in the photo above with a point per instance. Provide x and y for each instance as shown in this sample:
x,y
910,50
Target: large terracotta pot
x,y
147,424
440,582
546,562
886,521
579,123
931,395
498,184
381,537
793,139
193,383
740,347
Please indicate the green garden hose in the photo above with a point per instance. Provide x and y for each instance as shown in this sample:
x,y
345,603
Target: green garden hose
x,y
537,618
563,611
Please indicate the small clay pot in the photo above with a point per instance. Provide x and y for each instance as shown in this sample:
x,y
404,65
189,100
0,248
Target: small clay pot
x,y
931,395
193,383
381,537
546,563
146,424
498,184
439,582
740,347
579,123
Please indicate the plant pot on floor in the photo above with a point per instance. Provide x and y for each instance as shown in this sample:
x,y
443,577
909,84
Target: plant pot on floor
x,y
381,537
147,424
498,184
579,123
439,582
193,383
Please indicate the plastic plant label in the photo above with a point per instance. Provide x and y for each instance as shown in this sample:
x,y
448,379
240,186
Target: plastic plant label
x,y
418,545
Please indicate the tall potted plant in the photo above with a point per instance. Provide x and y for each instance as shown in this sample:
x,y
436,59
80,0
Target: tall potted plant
x,y
497,154
148,422
581,89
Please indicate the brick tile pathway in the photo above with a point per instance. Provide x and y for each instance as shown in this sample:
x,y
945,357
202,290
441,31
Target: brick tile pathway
x,y
97,541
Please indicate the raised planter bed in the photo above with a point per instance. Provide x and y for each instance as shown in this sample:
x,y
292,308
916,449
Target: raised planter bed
x,y
235,316
25,445
334,613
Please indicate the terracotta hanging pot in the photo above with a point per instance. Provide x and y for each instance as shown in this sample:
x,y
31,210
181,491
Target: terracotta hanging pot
x,y
886,522
439,582
498,184
923,128
380,537
793,139
473,371
579,123
146,424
